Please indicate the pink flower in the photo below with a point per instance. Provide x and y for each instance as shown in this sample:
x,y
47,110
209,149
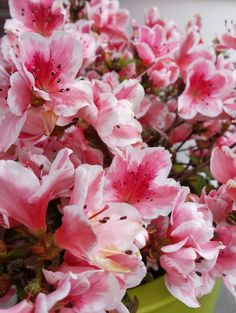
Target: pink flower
x,y
112,114
228,40
108,17
90,290
140,179
153,44
158,115
181,279
81,30
50,67
10,124
192,49
191,251
74,138
25,198
223,164
105,246
164,73
152,16
204,91
42,17
44,86
9,299
223,168
76,234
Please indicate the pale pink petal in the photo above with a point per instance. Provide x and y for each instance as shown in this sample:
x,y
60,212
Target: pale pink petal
x,y
76,234
19,95
130,90
145,53
18,184
223,164
69,55
88,188
44,303
59,179
11,126
68,102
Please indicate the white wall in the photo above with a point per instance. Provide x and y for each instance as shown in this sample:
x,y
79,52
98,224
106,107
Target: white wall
x,y
213,12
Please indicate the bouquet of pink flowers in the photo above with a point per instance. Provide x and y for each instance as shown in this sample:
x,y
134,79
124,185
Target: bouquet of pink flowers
x,y
117,157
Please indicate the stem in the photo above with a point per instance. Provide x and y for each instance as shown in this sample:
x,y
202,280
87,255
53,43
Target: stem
x,y
194,170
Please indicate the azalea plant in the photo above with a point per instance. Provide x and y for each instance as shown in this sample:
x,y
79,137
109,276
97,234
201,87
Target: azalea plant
x,y
117,157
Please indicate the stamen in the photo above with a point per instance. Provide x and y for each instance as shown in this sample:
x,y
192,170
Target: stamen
x,y
129,252
106,207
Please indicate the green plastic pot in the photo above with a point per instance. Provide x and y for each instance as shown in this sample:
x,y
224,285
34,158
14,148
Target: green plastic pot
x,y
153,297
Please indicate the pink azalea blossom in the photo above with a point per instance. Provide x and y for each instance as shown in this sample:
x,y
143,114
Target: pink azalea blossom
x,y
91,290
192,49
10,124
223,168
153,44
42,17
112,114
102,248
25,198
140,179
164,73
223,208
81,30
228,40
158,115
223,164
204,91
54,88
191,251
152,16
108,17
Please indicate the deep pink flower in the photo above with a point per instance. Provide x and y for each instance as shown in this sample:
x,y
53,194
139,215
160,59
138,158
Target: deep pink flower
x,y
42,17
112,114
105,247
81,30
152,16
158,115
164,73
228,40
107,17
140,179
192,49
50,67
152,44
44,87
204,91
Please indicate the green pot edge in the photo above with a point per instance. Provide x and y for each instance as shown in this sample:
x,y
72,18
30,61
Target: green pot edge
x,y
154,296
